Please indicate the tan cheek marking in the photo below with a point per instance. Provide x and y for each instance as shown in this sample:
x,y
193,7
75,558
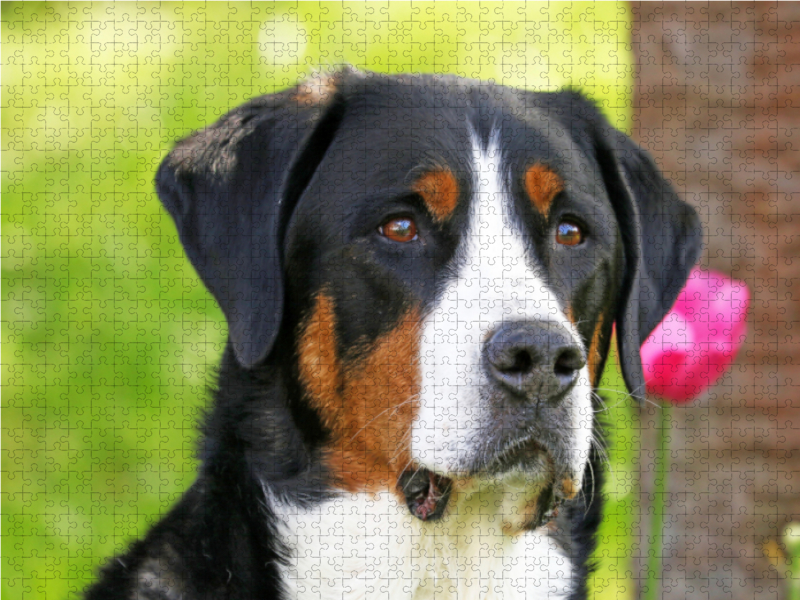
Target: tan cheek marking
x,y
593,360
319,366
542,185
570,318
569,488
594,352
368,405
439,190
381,394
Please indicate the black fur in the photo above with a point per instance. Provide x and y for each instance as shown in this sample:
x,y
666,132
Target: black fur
x,y
662,234
278,200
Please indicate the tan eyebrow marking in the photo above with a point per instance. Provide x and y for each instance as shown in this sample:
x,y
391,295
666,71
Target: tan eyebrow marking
x,y
542,185
439,190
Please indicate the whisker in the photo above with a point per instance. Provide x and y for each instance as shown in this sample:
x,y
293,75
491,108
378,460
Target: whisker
x,y
372,420
402,446
602,450
589,504
625,397
629,394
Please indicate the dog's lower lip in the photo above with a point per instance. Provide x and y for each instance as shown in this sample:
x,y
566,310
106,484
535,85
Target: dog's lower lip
x,y
516,454
425,492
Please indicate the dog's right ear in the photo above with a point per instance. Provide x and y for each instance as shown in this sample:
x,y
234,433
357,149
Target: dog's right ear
x,y
231,188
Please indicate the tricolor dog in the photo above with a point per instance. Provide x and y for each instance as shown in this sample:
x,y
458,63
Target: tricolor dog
x,y
420,276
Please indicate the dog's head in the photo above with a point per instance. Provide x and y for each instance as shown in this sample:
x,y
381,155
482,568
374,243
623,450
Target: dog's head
x,y
448,259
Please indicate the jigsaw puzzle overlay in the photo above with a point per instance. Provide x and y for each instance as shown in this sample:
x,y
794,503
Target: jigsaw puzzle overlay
x,y
110,340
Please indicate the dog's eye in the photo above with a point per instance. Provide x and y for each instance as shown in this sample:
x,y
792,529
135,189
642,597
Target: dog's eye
x,y
569,234
400,229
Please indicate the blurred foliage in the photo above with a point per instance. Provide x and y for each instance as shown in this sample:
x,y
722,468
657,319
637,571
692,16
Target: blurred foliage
x,y
109,338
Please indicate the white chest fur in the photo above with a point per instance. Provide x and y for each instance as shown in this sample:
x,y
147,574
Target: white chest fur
x,y
369,546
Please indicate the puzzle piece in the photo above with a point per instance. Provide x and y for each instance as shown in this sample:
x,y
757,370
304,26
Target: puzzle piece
x,y
111,340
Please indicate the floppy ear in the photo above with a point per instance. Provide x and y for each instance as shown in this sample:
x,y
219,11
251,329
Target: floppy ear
x,y
662,237
230,189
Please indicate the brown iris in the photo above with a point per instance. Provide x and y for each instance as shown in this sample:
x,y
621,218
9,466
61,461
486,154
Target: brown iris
x,y
400,229
569,234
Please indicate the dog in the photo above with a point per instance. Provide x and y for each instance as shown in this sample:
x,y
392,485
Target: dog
x,y
420,276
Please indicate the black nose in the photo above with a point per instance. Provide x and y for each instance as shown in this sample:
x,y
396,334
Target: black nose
x,y
537,360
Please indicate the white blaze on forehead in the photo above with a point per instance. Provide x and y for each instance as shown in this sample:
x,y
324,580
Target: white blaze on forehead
x,y
496,281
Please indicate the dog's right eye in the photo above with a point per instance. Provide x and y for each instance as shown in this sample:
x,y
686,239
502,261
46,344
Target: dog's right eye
x,y
569,233
399,229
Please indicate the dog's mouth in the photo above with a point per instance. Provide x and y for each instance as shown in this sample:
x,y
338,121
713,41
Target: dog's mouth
x,y
426,493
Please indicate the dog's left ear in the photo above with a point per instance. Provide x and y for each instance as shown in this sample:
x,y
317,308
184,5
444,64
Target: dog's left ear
x,y
231,188
662,237
661,234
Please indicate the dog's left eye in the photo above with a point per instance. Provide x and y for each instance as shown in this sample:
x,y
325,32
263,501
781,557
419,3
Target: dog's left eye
x,y
399,229
569,233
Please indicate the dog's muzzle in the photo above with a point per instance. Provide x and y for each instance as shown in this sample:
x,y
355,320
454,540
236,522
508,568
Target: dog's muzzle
x,y
531,367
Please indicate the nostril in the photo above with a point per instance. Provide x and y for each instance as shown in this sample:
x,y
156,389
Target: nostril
x,y
522,362
568,361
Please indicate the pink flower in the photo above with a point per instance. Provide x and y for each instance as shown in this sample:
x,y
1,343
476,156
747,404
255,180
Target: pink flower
x,y
697,341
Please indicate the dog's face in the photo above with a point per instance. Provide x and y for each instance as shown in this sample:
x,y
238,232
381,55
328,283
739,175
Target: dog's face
x,y
446,261
453,289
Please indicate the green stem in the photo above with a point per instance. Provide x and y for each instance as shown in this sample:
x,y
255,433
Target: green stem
x,y
656,541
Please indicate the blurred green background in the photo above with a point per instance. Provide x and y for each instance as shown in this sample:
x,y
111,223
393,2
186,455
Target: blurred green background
x,y
109,338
